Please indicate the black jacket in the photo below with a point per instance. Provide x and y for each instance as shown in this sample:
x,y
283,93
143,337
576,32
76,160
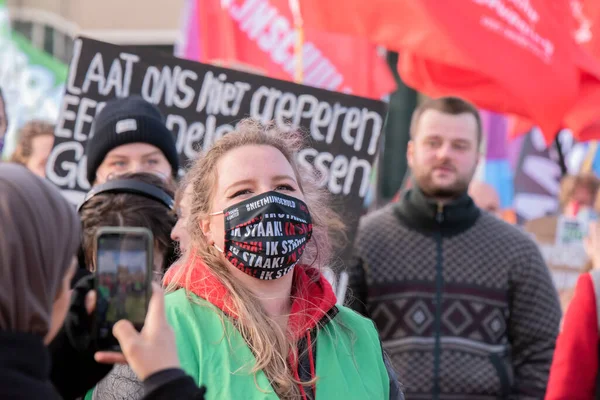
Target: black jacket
x,y
25,368
25,365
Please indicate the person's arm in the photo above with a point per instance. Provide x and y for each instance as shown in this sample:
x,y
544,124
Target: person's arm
x,y
121,383
148,353
533,322
357,286
152,355
575,364
172,384
358,282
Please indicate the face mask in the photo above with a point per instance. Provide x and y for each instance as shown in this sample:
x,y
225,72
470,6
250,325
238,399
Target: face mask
x,y
266,234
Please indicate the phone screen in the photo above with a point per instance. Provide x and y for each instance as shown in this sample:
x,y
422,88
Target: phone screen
x,y
123,266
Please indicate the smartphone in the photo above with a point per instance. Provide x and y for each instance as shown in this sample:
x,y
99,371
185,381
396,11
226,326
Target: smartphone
x,y
123,276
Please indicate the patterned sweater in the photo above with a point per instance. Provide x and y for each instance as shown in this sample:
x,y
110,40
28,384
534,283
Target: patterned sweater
x,y
463,301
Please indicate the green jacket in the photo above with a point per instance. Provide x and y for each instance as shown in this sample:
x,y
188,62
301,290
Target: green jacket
x,y
349,361
338,347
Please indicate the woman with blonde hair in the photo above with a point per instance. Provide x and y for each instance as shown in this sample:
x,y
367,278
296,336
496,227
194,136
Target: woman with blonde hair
x,y
253,316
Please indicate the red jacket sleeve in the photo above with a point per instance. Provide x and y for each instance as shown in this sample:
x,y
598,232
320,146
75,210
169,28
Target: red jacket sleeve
x,y
575,363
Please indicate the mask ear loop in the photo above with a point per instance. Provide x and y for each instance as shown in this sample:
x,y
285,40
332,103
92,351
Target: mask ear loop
x,y
214,244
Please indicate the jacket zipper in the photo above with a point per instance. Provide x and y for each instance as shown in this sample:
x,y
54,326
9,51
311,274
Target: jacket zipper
x,y
310,353
439,283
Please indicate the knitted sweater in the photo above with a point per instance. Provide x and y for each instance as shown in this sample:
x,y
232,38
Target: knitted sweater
x,y
463,301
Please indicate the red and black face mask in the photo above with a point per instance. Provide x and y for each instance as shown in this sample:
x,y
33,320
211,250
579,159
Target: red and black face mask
x,y
266,234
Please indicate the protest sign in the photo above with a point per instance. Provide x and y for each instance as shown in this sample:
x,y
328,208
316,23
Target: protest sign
x,y
560,240
537,175
570,231
202,102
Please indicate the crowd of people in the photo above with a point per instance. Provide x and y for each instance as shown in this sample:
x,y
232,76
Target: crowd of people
x,y
445,300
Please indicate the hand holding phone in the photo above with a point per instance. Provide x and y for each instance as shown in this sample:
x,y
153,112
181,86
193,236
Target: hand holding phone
x,y
123,275
150,351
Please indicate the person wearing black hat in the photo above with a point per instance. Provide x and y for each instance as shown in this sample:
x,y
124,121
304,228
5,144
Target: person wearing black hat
x,y
129,135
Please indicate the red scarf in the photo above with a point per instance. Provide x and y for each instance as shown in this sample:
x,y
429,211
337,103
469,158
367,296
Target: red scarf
x,y
312,294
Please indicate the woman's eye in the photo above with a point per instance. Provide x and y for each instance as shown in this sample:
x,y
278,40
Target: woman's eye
x,y
152,162
240,193
289,188
118,164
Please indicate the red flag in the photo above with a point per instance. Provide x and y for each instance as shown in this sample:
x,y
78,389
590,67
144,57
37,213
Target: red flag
x,y
586,14
583,118
518,126
506,56
259,36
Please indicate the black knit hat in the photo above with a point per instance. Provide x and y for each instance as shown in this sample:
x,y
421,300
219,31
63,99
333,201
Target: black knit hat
x,y
124,121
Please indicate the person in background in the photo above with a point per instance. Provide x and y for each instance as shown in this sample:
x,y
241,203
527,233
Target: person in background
x,y
130,209
35,141
589,248
574,372
40,239
463,301
130,135
578,193
576,198
183,205
485,197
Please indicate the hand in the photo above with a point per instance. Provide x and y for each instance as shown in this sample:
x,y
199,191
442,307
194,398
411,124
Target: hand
x,y
149,351
90,302
592,243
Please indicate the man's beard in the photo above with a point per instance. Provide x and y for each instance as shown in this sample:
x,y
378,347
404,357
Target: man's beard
x,y
447,192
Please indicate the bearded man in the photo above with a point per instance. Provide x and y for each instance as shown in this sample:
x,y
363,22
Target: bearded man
x,y
463,301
